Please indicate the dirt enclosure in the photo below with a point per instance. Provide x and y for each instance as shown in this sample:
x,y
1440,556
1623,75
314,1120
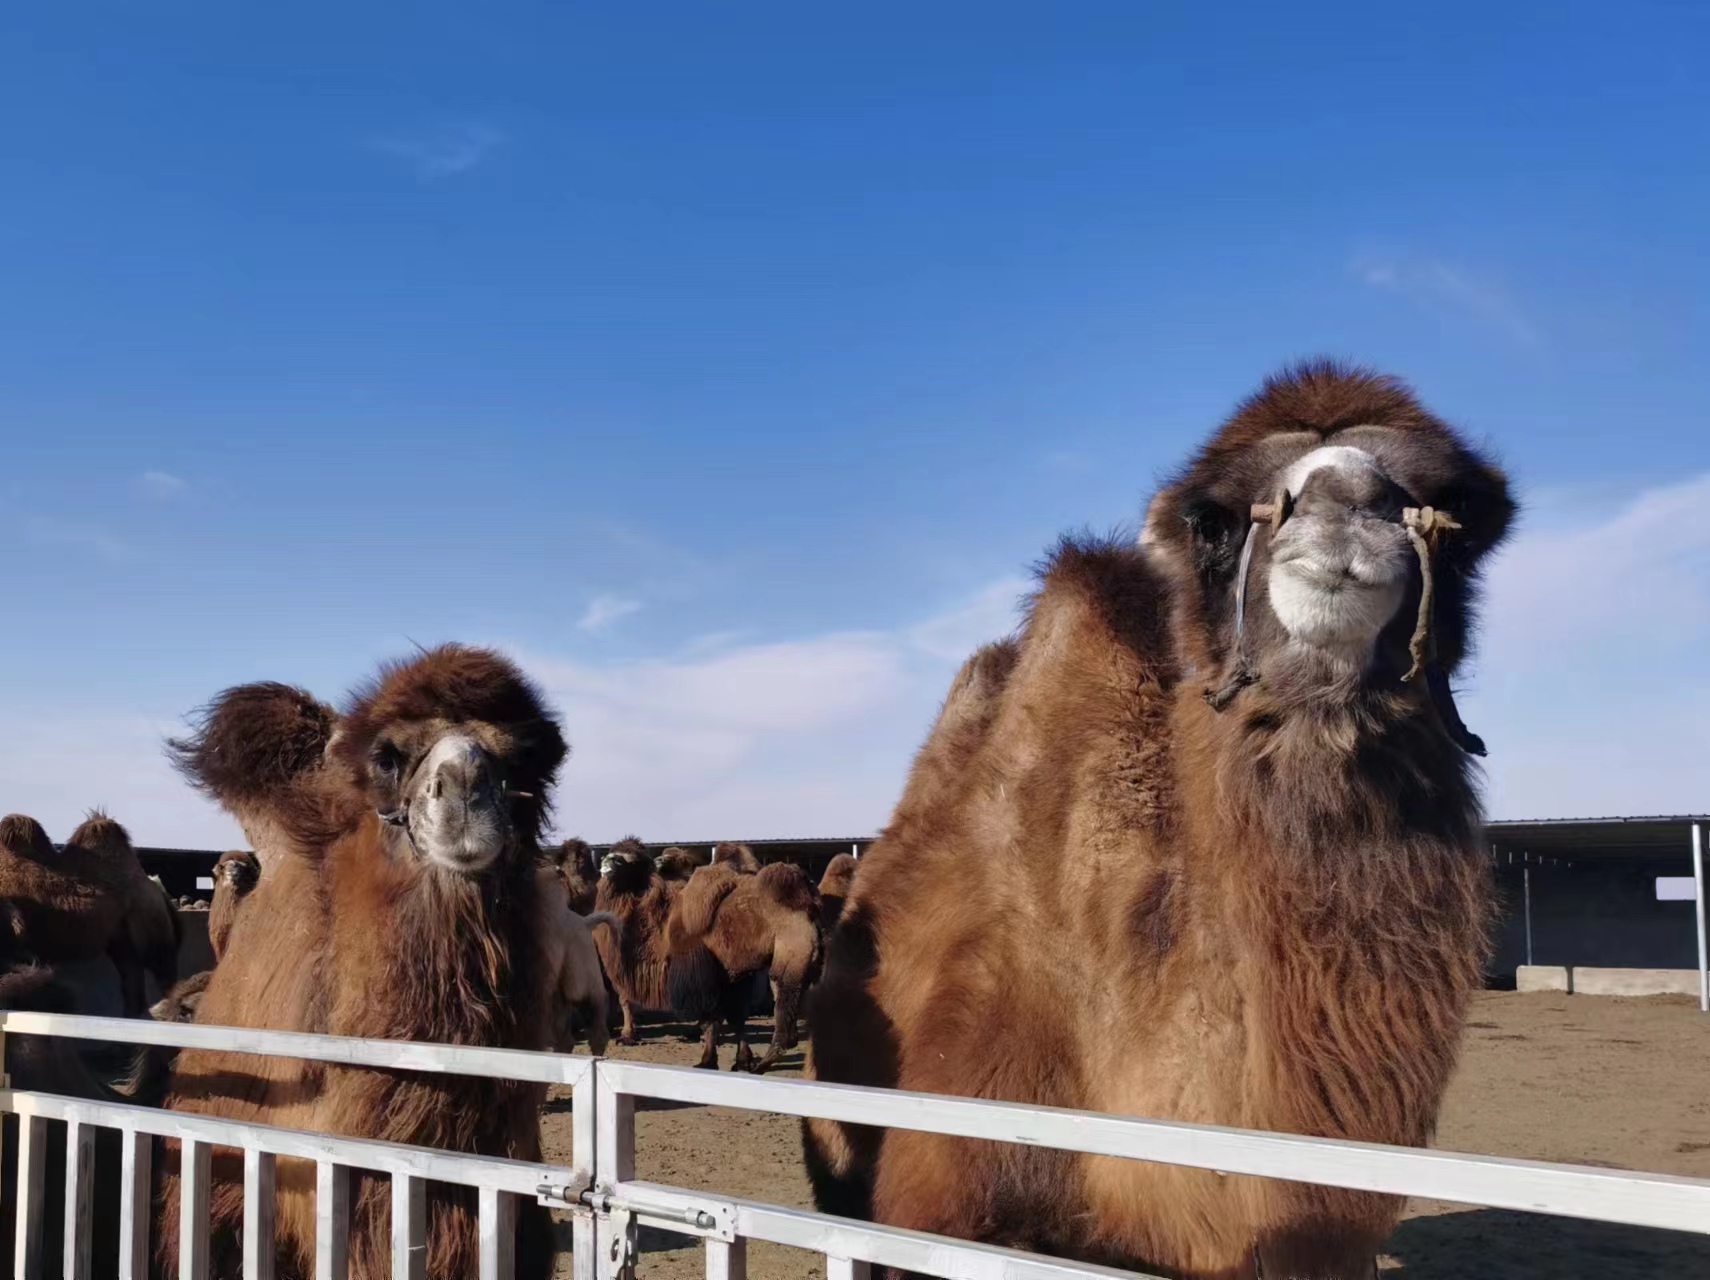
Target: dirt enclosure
x,y
1623,1084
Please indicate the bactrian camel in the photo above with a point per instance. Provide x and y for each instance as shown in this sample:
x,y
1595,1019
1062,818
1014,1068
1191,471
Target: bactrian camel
x,y
400,900
1202,843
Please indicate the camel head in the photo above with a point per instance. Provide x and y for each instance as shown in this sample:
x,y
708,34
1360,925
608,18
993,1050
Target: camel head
x,y
238,869
1327,539
455,751
677,863
738,857
575,857
627,866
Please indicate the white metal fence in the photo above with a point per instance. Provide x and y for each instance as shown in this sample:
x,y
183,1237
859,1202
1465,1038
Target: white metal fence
x,y
608,1205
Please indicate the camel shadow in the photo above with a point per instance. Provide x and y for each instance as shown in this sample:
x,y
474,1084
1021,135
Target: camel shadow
x,y
1504,1245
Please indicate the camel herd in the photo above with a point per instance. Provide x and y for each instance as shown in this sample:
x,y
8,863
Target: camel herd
x,y
1199,841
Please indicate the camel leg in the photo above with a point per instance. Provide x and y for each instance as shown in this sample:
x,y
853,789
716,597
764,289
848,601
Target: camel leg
x,y
736,1022
784,1038
709,1046
627,1034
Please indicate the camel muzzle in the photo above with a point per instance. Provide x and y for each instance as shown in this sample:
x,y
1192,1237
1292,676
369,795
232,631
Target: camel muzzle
x,y
1425,527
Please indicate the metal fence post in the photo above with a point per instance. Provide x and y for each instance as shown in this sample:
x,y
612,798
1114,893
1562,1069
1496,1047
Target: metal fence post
x,y
584,1155
614,1162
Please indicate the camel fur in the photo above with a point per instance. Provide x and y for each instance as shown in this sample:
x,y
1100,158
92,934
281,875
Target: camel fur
x,y
677,864
90,898
377,917
571,961
1270,916
834,885
738,857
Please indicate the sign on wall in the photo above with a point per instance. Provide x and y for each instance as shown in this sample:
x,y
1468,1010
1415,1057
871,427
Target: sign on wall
x,y
1675,889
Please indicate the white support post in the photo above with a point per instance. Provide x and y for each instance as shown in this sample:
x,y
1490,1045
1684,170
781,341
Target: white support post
x,y
79,1197
409,1227
1526,880
195,1170
32,1169
332,1221
614,1162
847,1269
584,1250
260,1206
727,1261
136,1202
1699,909
498,1235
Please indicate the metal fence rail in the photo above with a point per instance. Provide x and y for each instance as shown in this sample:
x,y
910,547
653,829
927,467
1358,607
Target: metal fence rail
x,y
608,1205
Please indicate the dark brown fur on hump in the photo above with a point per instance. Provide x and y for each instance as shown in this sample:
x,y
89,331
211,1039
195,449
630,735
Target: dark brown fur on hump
x,y
23,837
738,857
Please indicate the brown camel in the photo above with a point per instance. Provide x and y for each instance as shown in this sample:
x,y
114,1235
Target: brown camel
x,y
400,900
677,864
834,886
754,925
575,862
638,960
235,876
90,898
738,857
1218,790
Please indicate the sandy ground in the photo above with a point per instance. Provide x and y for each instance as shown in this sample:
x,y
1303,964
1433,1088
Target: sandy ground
x,y
1589,1080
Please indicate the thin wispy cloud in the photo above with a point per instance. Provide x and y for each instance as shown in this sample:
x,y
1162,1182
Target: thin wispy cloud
x,y
161,486
49,531
604,611
443,152
1590,687
1450,291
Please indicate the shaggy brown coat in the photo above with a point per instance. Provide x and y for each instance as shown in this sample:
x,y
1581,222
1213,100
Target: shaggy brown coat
x,y
1271,917
345,937
766,923
738,857
88,899
678,864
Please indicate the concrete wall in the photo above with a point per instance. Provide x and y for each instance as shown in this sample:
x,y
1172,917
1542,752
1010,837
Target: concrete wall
x,y
1584,981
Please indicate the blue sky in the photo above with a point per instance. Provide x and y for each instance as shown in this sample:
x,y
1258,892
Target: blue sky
x,y
730,366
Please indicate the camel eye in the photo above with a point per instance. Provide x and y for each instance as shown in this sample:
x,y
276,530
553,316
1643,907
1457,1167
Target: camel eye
x,y
388,759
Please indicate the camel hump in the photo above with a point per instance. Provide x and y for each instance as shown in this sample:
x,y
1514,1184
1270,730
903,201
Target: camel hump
x,y
252,742
788,885
697,904
100,834
839,875
23,837
738,857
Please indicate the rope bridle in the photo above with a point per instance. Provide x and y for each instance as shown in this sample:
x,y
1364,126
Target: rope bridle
x,y
1425,527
